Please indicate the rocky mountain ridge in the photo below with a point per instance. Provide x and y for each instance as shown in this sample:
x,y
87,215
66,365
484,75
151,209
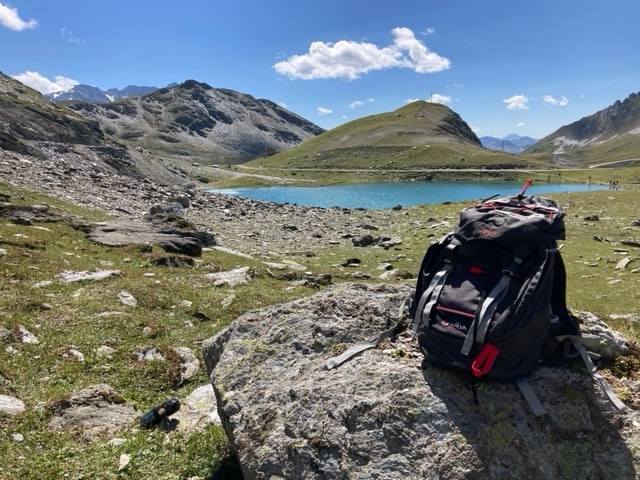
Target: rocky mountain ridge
x,y
616,127
192,121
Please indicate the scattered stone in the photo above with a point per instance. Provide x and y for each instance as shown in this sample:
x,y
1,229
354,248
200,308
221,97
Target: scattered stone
x,y
630,243
127,299
26,336
592,218
363,241
232,278
70,277
612,344
189,364
198,410
105,351
173,261
94,411
351,262
123,461
11,405
622,264
4,333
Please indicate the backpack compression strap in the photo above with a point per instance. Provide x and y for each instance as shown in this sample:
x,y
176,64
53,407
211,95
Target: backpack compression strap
x,y
430,295
577,342
371,342
488,308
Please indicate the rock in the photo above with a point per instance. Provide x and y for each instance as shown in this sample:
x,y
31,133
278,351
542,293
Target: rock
x,y
592,218
611,345
26,336
171,232
622,264
363,241
232,277
70,277
126,299
189,364
380,415
11,405
94,411
198,410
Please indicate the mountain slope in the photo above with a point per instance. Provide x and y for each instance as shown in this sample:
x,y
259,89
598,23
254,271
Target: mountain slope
x,y
28,117
610,135
417,135
196,120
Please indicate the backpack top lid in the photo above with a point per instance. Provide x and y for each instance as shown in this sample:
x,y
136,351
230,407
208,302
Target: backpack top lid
x,y
513,220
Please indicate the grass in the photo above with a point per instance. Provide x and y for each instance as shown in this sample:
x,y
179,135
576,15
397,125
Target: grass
x,y
171,302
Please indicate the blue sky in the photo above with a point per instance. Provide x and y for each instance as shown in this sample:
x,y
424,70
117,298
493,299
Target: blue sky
x,y
519,67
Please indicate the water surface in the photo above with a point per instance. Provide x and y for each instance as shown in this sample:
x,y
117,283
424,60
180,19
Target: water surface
x,y
387,195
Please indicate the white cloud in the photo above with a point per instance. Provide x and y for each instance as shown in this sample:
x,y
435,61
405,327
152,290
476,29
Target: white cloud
x,y
9,18
349,60
437,98
324,111
520,124
70,37
517,102
356,104
428,31
550,100
43,84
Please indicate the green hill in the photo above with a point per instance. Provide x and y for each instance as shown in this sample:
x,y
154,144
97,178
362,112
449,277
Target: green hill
x,y
418,136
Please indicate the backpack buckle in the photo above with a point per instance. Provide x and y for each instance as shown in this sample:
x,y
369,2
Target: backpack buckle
x,y
483,363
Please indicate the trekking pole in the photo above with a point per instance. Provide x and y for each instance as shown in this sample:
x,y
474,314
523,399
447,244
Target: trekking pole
x,y
526,185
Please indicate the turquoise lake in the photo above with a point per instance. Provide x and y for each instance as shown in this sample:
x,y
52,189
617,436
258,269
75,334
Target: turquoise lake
x,y
387,195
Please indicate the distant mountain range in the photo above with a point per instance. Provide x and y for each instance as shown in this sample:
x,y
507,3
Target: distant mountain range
x,y
90,93
511,143
198,123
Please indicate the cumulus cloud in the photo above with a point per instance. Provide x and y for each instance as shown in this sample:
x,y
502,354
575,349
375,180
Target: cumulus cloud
x,y
9,18
324,111
517,102
349,60
42,84
550,100
437,98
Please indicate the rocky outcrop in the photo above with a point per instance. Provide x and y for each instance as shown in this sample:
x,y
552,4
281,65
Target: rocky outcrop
x,y
382,415
171,232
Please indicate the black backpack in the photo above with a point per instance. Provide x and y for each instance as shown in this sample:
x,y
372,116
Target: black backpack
x,y
490,296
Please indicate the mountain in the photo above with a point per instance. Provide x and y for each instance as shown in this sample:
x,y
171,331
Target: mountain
x,y
418,135
610,136
94,94
198,121
29,118
511,143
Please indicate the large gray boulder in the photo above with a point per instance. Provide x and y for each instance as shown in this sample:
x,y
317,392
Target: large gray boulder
x,y
381,415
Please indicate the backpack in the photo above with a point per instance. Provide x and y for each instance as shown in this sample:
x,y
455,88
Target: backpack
x,y
490,296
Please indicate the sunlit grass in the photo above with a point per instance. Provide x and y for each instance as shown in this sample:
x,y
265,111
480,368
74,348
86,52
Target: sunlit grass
x,y
180,307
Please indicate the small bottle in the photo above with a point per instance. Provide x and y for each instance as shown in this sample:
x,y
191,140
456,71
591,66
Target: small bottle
x,y
157,414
